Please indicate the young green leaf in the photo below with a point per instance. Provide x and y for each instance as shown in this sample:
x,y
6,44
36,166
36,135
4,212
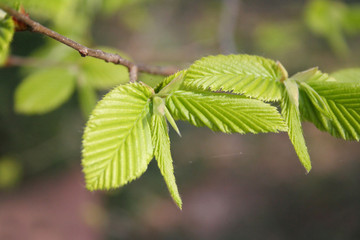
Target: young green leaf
x,y
117,145
171,83
102,75
161,142
253,76
224,112
316,99
6,35
292,90
292,117
305,75
340,95
44,91
159,108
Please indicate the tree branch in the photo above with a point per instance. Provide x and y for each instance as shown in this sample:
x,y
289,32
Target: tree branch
x,y
85,51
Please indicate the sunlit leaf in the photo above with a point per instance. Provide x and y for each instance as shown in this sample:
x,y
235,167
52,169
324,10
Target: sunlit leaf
x,y
340,97
161,142
292,90
252,76
44,91
224,112
117,145
292,117
171,83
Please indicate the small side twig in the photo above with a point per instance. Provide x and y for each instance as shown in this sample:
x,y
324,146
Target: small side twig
x,y
85,51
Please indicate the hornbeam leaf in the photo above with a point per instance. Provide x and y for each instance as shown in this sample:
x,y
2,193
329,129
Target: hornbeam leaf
x,y
347,75
253,76
161,142
43,91
292,90
341,96
171,83
316,99
159,108
224,112
6,35
117,144
171,120
305,75
292,117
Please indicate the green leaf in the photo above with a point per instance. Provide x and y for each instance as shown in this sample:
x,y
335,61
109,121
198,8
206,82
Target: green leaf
x,y
340,96
316,99
6,35
161,142
292,117
292,90
171,120
305,75
117,145
103,75
87,96
253,76
224,112
44,91
347,75
326,18
171,83
160,109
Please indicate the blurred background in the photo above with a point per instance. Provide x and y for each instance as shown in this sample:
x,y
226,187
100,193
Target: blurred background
x,y
232,186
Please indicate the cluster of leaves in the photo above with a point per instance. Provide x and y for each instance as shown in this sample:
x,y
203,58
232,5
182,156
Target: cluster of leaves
x,y
231,94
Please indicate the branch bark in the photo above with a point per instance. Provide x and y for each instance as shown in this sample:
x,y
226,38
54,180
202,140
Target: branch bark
x,y
84,51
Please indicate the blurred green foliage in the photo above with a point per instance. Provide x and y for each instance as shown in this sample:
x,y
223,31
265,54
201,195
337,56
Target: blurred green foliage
x,y
10,172
333,20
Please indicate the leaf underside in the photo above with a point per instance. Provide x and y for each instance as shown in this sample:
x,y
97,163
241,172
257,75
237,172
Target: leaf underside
x,y
253,76
224,112
117,146
161,142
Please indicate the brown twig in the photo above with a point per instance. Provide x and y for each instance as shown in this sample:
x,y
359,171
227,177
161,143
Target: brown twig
x,y
85,51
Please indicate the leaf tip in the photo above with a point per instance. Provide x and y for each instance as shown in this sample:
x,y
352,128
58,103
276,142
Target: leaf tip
x,y
307,168
178,202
